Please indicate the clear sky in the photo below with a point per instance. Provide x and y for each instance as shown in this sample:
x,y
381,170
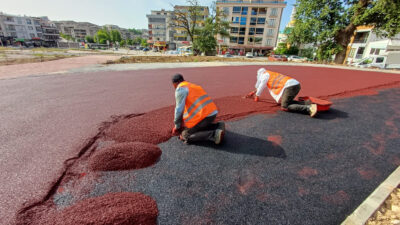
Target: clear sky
x,y
124,13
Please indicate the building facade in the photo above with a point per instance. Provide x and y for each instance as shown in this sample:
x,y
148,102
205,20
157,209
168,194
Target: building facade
x,y
77,30
160,33
254,24
365,43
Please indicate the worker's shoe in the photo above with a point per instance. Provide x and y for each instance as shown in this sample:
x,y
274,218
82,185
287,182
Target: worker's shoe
x,y
221,125
313,110
219,136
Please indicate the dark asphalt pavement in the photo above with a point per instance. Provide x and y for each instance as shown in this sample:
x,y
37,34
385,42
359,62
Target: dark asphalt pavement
x,y
46,120
316,172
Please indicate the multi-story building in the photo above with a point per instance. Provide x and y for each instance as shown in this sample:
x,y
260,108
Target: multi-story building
x,y
77,30
365,43
160,33
254,24
181,37
51,35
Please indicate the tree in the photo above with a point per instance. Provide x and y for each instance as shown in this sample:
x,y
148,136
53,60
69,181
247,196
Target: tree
x,y
188,17
283,49
67,37
104,35
135,31
144,43
89,39
330,24
205,39
122,43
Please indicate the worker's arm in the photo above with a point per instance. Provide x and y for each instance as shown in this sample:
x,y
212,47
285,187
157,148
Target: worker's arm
x,y
262,84
180,96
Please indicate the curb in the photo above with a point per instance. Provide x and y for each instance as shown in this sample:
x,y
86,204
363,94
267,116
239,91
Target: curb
x,y
367,209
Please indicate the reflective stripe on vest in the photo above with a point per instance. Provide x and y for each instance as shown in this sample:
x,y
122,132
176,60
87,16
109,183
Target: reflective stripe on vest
x,y
276,81
198,105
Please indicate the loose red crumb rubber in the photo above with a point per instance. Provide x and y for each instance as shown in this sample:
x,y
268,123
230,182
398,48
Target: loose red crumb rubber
x,y
115,208
125,156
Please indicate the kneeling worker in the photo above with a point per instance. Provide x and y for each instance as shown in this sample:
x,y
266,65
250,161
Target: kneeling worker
x,y
282,88
195,112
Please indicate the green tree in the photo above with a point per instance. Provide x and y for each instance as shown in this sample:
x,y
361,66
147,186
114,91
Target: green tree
x,y
188,17
115,36
67,37
283,49
330,24
135,31
144,43
89,39
122,43
104,35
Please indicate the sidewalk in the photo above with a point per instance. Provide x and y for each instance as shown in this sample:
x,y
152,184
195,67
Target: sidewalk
x,y
52,67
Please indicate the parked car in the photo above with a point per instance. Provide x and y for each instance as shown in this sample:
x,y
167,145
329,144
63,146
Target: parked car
x,y
249,55
295,58
146,49
277,58
389,61
228,55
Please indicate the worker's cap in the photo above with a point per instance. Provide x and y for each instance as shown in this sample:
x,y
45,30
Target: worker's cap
x,y
177,78
260,71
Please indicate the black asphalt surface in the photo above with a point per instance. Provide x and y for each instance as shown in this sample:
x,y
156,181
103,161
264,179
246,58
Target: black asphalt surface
x,y
321,172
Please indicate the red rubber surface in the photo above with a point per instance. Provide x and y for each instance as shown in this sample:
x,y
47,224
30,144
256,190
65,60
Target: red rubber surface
x,y
46,120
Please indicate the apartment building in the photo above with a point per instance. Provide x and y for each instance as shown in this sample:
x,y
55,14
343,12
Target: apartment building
x,y
254,24
161,34
365,42
77,30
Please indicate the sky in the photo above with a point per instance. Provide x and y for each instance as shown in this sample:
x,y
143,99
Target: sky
x,y
124,13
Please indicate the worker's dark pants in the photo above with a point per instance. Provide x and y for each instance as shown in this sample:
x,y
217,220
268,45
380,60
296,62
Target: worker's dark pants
x,y
288,102
203,131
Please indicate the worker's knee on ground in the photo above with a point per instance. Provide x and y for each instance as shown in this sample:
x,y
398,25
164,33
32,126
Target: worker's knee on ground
x,y
185,134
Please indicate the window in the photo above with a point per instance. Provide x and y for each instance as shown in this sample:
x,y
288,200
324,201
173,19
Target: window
x,y
269,42
375,51
241,41
258,40
270,32
274,12
235,19
262,11
237,9
260,20
253,21
243,20
30,28
252,31
271,22
250,40
379,60
28,21
32,35
260,31
254,11
234,30
234,40
245,10
242,31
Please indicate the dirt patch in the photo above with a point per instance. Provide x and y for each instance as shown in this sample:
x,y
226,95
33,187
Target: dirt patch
x,y
125,156
174,59
389,213
38,58
115,208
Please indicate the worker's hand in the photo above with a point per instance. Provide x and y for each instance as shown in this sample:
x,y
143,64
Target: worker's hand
x,y
256,99
175,131
251,94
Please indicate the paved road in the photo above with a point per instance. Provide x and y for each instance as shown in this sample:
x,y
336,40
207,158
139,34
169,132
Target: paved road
x,y
45,120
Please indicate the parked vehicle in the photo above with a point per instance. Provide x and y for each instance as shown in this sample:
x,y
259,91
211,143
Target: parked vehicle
x,y
389,61
295,58
249,55
277,58
228,55
146,49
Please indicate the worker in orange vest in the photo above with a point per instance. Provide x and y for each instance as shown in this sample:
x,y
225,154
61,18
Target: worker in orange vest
x,y
282,88
195,113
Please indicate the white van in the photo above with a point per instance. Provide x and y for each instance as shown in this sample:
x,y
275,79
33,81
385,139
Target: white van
x,y
389,61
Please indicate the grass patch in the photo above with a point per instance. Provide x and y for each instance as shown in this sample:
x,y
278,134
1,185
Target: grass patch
x,y
38,58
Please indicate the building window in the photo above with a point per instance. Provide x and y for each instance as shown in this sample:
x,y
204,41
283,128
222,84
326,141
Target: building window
x,y
260,20
260,31
258,40
28,21
254,11
250,40
245,10
380,60
32,35
253,21
270,32
271,23
234,30
269,42
235,19
237,9
262,11
242,31
30,28
234,40
241,41
274,12
243,20
252,31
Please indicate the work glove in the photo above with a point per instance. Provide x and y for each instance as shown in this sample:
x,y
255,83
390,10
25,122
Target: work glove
x,y
256,99
175,131
251,94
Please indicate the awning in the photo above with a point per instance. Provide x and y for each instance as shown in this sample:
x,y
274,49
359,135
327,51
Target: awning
x,y
19,40
160,44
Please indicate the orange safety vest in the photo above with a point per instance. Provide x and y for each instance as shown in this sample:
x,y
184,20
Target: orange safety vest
x,y
197,106
276,82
